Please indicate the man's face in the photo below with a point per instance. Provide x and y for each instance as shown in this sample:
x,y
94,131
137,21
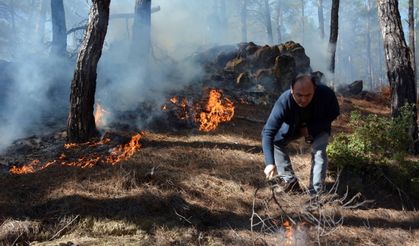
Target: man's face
x,y
303,92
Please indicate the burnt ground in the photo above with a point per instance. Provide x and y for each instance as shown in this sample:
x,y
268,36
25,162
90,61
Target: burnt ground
x,y
193,188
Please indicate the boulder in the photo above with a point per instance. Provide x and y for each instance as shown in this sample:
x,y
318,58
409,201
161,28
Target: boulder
x,y
244,80
273,67
284,71
354,88
295,50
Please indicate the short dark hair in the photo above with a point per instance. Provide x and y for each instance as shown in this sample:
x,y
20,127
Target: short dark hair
x,y
301,76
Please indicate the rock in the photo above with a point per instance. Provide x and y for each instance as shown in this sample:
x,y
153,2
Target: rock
x,y
318,77
355,88
284,71
264,57
236,65
244,81
265,78
247,64
295,50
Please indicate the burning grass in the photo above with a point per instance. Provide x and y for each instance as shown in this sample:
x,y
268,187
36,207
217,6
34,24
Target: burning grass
x,y
86,155
181,189
212,109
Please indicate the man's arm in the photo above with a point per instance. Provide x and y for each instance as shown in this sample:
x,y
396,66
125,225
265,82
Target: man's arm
x,y
273,124
334,107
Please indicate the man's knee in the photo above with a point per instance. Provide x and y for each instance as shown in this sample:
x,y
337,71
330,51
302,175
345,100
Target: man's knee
x,y
320,143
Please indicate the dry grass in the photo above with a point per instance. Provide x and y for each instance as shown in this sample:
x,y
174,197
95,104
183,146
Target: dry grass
x,y
184,188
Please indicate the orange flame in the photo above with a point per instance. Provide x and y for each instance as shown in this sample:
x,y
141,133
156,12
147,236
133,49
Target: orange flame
x,y
119,153
28,168
288,231
126,151
100,114
216,111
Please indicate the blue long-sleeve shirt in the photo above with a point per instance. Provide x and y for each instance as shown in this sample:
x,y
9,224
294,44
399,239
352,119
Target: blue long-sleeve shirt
x,y
283,122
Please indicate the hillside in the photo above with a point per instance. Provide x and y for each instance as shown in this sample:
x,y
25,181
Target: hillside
x,y
188,187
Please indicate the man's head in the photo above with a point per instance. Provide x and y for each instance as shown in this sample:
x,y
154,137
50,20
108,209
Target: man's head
x,y
302,90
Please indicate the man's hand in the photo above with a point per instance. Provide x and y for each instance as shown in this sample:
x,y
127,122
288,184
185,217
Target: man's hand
x,y
270,171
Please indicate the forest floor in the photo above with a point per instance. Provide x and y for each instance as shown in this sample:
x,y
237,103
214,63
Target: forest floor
x,y
193,188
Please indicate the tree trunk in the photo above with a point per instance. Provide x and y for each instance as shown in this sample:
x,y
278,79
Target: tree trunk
x,y
412,42
334,24
400,73
280,22
59,30
268,22
370,72
243,17
141,32
40,23
321,17
302,21
81,123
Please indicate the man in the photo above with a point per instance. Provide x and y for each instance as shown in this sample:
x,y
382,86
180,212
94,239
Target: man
x,y
306,110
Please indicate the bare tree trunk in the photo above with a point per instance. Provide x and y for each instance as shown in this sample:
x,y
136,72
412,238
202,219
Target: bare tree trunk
x,y
40,23
321,17
280,21
59,30
382,67
302,21
141,32
268,22
370,71
412,42
12,15
243,17
400,73
334,27
81,123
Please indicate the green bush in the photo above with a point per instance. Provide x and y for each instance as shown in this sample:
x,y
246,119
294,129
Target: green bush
x,y
377,145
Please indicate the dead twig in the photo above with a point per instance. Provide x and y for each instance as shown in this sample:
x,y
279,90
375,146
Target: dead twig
x,y
62,229
182,217
17,238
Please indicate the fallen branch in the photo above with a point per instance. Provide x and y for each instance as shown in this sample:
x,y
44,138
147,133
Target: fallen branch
x,y
62,229
182,217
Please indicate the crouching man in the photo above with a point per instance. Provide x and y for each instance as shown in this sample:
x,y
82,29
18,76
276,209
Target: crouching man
x,y
305,110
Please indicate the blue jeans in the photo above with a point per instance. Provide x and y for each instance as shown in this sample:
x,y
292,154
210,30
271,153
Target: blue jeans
x,y
318,163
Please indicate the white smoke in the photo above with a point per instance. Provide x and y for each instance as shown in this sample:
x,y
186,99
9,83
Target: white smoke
x,y
180,29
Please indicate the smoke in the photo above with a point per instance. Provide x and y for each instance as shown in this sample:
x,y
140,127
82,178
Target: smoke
x,y
37,90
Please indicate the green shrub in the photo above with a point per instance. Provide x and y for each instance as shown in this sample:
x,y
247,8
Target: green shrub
x,y
377,145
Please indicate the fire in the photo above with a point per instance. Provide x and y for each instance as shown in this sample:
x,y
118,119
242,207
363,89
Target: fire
x,y
216,111
28,168
288,232
208,116
100,115
293,233
126,151
89,160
